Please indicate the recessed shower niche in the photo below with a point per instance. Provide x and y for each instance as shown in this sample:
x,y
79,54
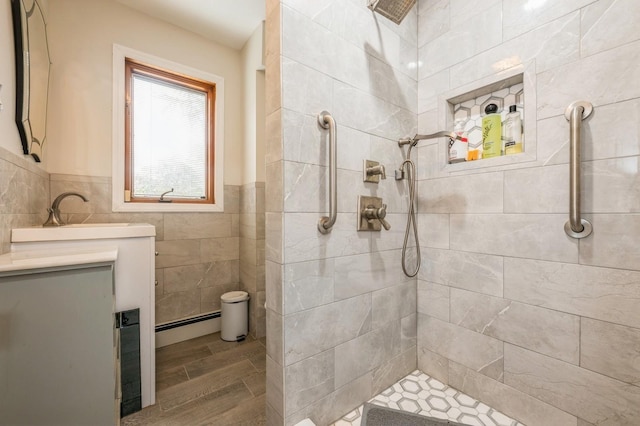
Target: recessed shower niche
x,y
463,110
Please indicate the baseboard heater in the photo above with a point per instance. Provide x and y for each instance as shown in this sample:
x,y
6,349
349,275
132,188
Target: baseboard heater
x,y
187,321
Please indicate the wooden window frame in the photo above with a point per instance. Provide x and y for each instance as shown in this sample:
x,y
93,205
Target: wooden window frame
x,y
133,67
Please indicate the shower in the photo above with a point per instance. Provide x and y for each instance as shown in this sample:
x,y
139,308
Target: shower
x,y
408,170
395,10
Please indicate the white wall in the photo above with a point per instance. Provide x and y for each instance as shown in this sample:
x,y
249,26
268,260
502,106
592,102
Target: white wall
x,y
81,35
253,97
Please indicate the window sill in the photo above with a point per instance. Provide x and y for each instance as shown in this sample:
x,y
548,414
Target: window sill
x,y
166,207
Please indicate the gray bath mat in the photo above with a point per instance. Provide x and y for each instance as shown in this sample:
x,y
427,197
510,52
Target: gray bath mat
x,y
375,415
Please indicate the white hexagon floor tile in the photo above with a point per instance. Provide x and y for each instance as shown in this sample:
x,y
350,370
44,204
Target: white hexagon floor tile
x,y
424,395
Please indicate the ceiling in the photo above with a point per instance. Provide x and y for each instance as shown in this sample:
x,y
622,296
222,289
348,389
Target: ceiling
x,y
228,22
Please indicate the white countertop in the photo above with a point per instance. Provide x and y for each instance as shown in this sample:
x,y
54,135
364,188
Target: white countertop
x,y
84,231
38,259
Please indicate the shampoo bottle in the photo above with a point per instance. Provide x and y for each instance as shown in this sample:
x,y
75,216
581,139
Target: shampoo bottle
x,y
512,131
491,132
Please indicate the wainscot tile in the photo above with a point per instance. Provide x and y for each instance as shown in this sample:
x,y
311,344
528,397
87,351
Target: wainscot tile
x,y
610,349
608,24
461,194
436,366
601,293
596,398
364,353
469,271
364,273
433,300
309,380
508,400
538,236
476,351
308,284
542,330
303,241
619,231
316,330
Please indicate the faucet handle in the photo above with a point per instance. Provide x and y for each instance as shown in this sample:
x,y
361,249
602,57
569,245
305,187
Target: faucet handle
x,y
372,213
381,213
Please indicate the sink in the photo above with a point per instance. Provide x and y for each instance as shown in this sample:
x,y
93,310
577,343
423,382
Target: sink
x,y
82,231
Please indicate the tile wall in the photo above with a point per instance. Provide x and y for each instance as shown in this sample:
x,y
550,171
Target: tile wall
x,y
341,314
252,269
24,197
198,253
510,310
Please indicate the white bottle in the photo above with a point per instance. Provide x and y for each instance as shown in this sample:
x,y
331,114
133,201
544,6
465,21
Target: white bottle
x,y
458,148
512,132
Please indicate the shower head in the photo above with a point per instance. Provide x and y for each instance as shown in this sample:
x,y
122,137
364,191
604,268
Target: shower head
x,y
395,10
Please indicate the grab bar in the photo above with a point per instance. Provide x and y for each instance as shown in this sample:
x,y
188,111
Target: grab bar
x,y
576,227
325,223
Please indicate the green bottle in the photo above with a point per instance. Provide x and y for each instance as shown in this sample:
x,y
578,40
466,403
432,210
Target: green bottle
x,y
491,132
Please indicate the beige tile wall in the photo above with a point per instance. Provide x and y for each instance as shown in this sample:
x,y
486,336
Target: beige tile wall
x,y
538,325
198,253
24,195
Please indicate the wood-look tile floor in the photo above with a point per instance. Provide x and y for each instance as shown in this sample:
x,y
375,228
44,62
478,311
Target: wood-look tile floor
x,y
207,381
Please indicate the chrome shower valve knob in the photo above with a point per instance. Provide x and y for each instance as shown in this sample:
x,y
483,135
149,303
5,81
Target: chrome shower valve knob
x,y
372,214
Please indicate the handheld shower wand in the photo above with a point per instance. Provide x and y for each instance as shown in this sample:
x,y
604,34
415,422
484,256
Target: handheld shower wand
x,y
408,170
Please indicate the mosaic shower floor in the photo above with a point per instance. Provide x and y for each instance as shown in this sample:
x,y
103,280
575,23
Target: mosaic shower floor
x,y
420,394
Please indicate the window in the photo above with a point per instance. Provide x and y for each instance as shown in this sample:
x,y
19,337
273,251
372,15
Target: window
x,y
168,138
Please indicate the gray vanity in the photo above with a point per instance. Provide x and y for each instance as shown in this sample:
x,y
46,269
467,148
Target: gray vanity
x,y
60,288
58,345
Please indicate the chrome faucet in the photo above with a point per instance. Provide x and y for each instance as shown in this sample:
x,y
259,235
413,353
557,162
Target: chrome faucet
x,y
54,211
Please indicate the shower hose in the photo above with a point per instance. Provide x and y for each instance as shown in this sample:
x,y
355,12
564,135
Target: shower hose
x,y
409,168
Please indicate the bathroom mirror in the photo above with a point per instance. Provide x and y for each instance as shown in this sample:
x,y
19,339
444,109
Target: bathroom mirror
x,y
32,74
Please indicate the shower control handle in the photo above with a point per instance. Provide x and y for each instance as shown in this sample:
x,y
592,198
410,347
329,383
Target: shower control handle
x,y
372,214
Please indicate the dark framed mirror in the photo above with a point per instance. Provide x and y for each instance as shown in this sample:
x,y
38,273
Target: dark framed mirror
x,y
32,74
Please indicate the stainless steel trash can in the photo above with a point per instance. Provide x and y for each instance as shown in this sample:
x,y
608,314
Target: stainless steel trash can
x,y
234,316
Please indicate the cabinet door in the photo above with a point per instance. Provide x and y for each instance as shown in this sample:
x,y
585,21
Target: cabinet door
x,y
57,354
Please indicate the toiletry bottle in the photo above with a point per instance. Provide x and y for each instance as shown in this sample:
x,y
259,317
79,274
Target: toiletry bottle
x,y
512,132
491,132
458,148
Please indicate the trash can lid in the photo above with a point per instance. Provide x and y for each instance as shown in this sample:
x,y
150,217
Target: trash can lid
x,y
235,296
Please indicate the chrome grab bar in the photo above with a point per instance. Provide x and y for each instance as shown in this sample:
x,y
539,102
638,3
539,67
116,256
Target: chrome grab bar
x,y
325,223
576,227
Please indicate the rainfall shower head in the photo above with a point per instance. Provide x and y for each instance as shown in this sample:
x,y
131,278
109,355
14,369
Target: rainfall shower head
x,y
394,10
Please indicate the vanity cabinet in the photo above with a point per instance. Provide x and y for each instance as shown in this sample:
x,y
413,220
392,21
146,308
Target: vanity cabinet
x,y
134,273
58,345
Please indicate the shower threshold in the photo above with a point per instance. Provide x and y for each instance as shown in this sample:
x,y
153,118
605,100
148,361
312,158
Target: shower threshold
x,y
420,394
